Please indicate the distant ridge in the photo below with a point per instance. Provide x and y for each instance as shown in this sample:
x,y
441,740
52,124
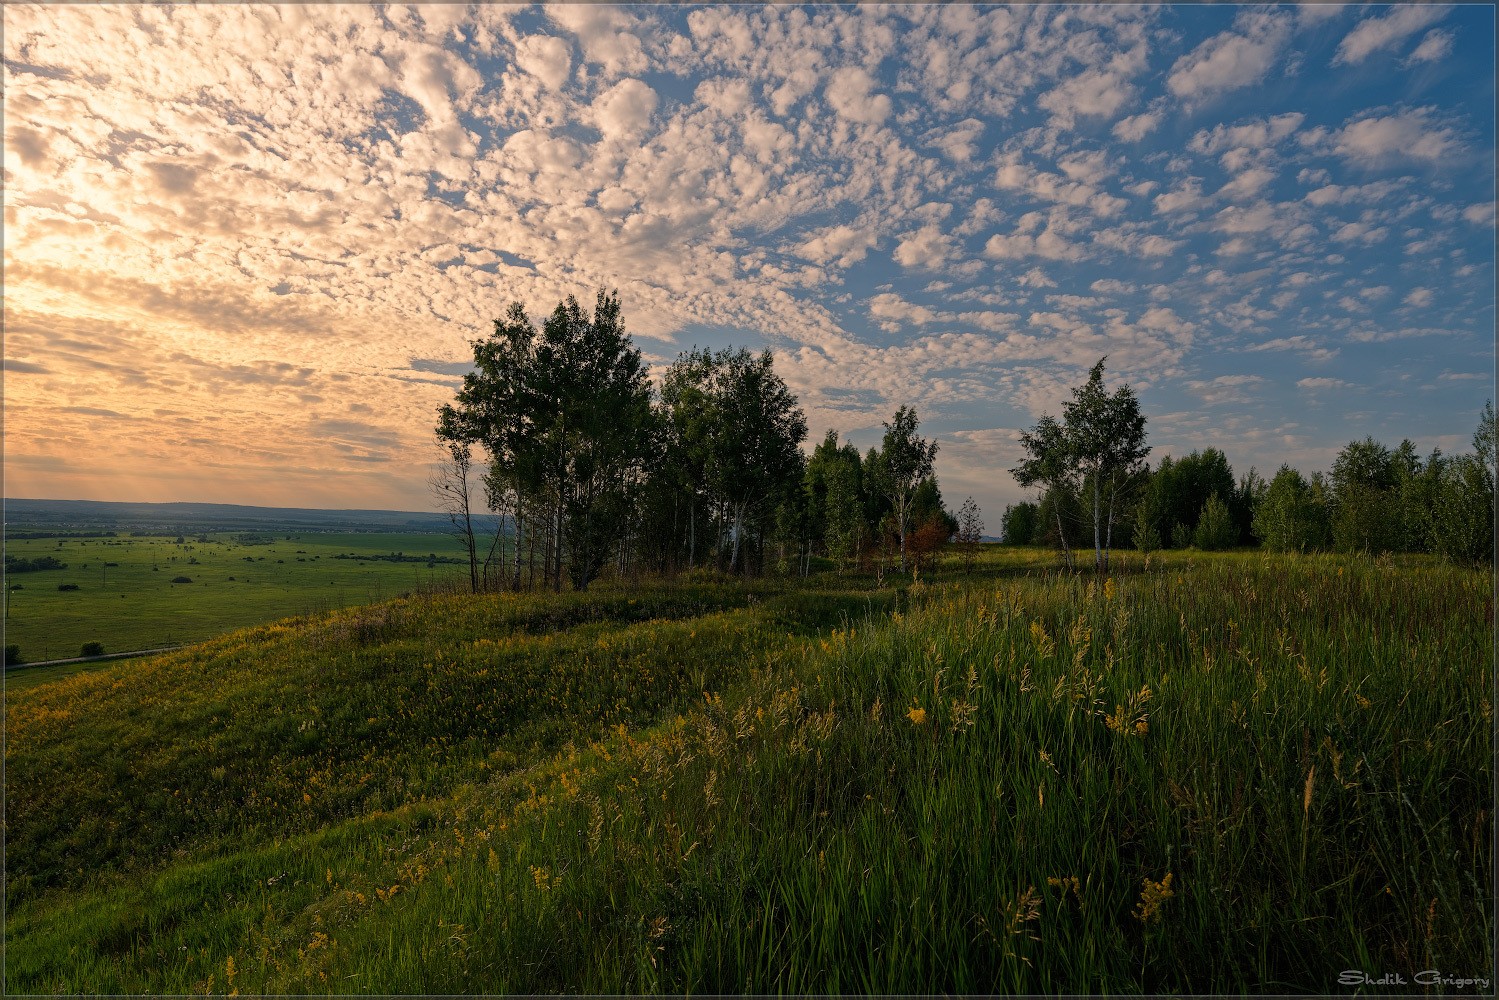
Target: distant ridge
x,y
63,515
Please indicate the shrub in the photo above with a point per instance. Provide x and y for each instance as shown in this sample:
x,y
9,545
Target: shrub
x,y
92,649
67,586
182,579
13,654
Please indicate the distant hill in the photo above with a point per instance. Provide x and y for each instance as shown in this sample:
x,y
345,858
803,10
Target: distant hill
x,y
23,515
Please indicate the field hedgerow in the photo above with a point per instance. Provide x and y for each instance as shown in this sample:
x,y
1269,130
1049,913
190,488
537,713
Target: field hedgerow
x,y
1225,773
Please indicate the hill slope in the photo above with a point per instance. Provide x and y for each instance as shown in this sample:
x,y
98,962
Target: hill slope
x,y
1227,774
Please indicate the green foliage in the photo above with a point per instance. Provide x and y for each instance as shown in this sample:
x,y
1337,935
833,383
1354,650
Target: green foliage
x,y
91,649
1215,527
1020,523
901,469
1285,520
565,415
970,529
1145,536
845,531
1179,489
13,654
1095,454
1463,512
737,426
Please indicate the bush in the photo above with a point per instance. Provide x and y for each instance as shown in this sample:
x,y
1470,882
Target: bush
x,y
13,654
67,586
182,579
92,649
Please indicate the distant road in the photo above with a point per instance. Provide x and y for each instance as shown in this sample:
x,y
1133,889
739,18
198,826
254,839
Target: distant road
x,y
91,659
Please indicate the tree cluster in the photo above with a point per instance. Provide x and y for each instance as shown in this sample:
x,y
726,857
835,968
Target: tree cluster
x,y
1375,499
585,468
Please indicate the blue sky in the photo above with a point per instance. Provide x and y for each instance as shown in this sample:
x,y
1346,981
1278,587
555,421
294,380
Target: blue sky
x,y
246,246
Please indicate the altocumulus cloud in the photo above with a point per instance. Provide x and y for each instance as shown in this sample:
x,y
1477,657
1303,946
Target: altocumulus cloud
x,y
281,227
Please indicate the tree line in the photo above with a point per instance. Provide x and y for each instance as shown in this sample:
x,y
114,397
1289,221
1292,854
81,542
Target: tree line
x,y
1375,499
585,469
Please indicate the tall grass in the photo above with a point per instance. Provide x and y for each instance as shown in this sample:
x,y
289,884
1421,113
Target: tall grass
x,y
1222,774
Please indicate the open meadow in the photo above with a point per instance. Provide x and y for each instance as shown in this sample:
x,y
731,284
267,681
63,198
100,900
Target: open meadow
x,y
1228,772
128,593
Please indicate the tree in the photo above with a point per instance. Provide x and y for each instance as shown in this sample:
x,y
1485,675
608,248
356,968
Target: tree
x,y
452,490
970,530
1243,503
1215,527
1018,523
566,418
905,460
1364,511
1100,444
1049,464
740,422
1285,519
494,410
844,529
1463,511
1146,536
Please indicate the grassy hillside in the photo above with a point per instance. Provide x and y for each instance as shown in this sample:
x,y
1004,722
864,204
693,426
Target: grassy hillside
x,y
1219,774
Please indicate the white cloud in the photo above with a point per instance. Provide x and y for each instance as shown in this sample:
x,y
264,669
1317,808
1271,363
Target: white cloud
x,y
1225,388
1374,34
1232,59
1257,134
1048,244
1419,297
1092,94
1360,232
1247,185
1323,383
545,57
1480,213
1411,135
844,245
850,92
957,142
1184,198
926,248
604,35
897,311
1136,127
624,108
1436,46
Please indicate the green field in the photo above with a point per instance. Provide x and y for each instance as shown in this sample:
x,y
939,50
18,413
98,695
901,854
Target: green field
x,y
126,600
1219,773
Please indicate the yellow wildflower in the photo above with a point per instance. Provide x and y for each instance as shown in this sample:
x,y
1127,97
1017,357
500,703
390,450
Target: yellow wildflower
x,y
916,715
1153,896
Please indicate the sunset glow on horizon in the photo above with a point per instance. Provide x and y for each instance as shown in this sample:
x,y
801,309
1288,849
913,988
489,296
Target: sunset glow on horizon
x,y
246,247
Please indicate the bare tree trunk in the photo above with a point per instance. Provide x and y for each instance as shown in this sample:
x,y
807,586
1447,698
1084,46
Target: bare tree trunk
x,y
450,485
1062,536
1097,543
515,577
1108,544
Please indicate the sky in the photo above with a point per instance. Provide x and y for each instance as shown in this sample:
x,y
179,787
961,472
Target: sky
x,y
246,248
